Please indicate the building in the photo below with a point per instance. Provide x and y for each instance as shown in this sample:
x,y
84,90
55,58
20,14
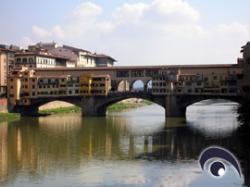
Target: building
x,y
6,63
41,59
24,85
80,57
195,80
102,60
95,85
34,60
245,64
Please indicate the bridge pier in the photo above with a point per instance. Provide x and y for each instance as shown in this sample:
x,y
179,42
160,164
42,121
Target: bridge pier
x,y
174,108
89,106
30,111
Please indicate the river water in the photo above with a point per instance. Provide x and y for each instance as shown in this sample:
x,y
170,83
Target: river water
x,y
133,148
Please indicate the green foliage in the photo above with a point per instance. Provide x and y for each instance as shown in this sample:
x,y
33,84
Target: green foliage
x,y
9,117
71,109
126,106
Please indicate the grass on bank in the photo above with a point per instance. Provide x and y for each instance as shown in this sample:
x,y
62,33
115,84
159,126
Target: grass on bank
x,y
9,117
71,109
125,106
114,108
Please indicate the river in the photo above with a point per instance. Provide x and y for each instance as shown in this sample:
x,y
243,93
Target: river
x,y
133,148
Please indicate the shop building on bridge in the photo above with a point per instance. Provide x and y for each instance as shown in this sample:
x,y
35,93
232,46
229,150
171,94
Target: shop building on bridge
x,y
28,84
24,85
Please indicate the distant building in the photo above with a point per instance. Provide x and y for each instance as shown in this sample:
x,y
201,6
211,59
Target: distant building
x,y
7,59
78,57
39,59
102,60
34,60
245,64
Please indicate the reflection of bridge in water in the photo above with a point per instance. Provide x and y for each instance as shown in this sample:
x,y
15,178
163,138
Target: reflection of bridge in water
x,y
77,140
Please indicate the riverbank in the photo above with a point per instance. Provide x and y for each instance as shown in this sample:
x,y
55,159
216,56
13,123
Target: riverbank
x,y
9,117
121,106
62,110
118,107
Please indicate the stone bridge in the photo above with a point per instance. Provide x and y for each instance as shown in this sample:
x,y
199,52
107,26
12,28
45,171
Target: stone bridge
x,y
172,87
174,105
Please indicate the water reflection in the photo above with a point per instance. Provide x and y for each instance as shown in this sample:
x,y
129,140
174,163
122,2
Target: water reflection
x,y
132,148
213,118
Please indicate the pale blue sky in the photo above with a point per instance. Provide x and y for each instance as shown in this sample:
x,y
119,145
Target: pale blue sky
x,y
27,21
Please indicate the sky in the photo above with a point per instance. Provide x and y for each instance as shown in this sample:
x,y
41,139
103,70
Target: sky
x,y
134,32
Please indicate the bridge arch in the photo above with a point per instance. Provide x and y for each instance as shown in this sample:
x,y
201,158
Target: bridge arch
x,y
56,105
149,85
137,85
176,106
33,109
123,86
103,108
101,104
190,100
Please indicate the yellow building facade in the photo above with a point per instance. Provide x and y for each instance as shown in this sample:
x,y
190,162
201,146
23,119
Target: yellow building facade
x,y
198,81
24,85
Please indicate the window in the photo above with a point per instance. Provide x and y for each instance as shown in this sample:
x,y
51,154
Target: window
x,y
122,74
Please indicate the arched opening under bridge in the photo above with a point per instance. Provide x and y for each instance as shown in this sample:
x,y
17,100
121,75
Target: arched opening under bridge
x,y
58,107
149,86
137,86
123,86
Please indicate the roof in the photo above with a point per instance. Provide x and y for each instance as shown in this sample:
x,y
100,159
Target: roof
x,y
93,75
75,49
161,67
96,55
6,50
39,54
64,53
